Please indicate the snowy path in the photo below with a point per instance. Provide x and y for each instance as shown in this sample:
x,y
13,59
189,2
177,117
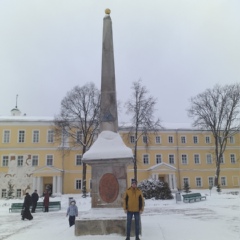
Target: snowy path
x,y
216,218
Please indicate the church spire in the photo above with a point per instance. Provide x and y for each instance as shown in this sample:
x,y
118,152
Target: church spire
x,y
15,111
16,100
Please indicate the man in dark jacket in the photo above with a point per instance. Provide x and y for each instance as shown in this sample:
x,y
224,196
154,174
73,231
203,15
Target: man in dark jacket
x,y
26,207
35,198
133,204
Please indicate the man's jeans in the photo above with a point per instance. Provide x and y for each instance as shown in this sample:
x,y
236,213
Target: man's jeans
x,y
129,223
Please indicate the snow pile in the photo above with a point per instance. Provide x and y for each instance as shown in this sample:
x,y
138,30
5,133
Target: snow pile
x,y
109,145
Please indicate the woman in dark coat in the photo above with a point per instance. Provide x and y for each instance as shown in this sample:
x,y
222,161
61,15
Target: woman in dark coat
x,y
46,201
26,208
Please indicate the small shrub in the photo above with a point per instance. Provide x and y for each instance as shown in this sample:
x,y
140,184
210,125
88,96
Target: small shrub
x,y
219,188
10,190
186,187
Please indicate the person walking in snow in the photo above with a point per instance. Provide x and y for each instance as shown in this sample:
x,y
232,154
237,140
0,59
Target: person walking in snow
x,y
72,212
26,207
46,200
133,204
35,198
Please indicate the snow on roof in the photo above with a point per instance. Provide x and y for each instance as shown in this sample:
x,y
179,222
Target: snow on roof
x,y
24,118
107,146
168,125
165,125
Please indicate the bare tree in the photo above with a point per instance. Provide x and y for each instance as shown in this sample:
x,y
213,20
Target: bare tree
x,y
217,110
141,109
78,122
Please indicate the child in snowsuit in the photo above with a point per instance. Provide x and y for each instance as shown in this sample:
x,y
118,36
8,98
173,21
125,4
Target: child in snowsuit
x,y
72,212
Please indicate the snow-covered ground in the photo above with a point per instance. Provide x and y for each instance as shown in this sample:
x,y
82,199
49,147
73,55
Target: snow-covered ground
x,y
216,218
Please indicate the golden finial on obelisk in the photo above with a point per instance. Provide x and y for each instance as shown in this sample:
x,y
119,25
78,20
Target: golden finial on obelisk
x,y
108,11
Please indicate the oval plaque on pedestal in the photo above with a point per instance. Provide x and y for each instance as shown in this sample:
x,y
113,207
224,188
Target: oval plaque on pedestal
x,y
108,188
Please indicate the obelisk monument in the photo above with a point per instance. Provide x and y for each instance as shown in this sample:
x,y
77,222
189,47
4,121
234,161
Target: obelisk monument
x,y
108,156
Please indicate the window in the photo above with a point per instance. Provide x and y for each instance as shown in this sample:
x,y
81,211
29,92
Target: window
x,y
78,159
50,136
132,139
231,139
183,139
20,161
211,181
145,139
184,159
207,139
209,159
170,139
145,159
223,181
195,139
49,160
171,159
198,182
185,181
35,136
78,184
221,160
220,140
64,142
196,158
232,158
6,136
158,158
34,160
4,193
79,136
5,161
19,191
158,139
21,136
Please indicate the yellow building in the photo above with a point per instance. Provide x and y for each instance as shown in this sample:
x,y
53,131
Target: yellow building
x,y
31,158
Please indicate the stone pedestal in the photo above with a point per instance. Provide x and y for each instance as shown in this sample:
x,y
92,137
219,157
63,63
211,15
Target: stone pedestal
x,y
103,222
109,182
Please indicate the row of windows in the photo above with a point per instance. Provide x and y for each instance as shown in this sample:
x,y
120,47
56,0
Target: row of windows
x,y
185,160
183,139
35,160
79,137
18,193
22,136
36,136
198,181
145,159
78,185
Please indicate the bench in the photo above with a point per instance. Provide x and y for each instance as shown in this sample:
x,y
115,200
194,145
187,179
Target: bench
x,y
17,207
193,196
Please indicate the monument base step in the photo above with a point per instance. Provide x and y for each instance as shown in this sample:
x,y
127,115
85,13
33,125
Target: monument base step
x,y
100,227
103,222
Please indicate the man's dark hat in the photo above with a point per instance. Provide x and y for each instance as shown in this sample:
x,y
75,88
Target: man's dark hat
x,y
134,181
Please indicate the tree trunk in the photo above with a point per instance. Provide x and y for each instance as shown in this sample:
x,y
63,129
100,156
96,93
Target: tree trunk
x,y
84,190
217,173
135,162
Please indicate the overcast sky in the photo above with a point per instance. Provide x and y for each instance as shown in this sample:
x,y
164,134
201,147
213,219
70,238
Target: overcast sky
x,y
178,48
